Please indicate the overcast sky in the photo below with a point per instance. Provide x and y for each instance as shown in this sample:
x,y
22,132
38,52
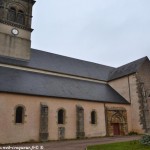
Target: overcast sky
x,y
110,32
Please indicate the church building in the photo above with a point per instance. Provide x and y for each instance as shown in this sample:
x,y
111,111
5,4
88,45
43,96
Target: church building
x,y
44,96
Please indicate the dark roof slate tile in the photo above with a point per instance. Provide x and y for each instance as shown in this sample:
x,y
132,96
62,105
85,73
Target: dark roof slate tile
x,y
62,64
24,82
127,69
71,66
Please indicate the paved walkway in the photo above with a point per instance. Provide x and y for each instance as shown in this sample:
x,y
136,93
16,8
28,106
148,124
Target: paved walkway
x,y
78,144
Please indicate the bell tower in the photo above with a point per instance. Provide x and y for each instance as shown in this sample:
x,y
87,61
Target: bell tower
x,y
15,28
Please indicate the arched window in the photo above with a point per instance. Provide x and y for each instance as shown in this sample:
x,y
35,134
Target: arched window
x,y
19,114
17,16
93,117
1,2
20,17
61,116
12,14
1,9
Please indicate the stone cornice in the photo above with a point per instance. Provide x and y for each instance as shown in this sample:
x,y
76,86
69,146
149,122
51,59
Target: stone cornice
x,y
31,1
15,25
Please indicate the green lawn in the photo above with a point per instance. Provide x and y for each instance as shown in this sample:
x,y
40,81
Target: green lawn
x,y
132,145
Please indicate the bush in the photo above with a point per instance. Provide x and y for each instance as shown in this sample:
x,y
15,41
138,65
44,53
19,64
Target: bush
x,y
145,140
132,133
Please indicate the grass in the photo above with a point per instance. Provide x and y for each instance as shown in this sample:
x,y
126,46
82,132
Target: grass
x,y
132,145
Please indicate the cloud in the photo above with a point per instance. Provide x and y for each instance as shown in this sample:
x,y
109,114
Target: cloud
x,y
110,32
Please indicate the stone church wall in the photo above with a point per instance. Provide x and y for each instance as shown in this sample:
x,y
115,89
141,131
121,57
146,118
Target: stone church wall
x,y
143,83
30,129
124,90
127,87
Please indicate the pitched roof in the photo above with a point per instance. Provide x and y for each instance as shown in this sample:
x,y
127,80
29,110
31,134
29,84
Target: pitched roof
x,y
61,64
127,69
71,66
18,81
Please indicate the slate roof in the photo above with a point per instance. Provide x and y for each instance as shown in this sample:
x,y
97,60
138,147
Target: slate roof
x,y
23,82
61,64
71,66
127,69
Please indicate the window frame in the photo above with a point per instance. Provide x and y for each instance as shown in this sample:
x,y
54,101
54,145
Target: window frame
x,y
23,114
9,15
22,14
64,116
18,13
93,121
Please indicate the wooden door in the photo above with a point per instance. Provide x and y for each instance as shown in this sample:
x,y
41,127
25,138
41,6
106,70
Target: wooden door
x,y
116,128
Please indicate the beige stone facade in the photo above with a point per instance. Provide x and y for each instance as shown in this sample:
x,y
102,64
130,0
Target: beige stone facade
x,y
111,118
29,130
127,87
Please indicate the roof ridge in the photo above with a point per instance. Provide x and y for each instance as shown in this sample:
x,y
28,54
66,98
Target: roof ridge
x,y
127,69
133,61
71,58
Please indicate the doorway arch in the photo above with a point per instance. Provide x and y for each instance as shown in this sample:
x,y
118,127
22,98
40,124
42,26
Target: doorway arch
x,y
116,121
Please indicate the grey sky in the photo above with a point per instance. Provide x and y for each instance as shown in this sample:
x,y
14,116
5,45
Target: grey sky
x,y
110,32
